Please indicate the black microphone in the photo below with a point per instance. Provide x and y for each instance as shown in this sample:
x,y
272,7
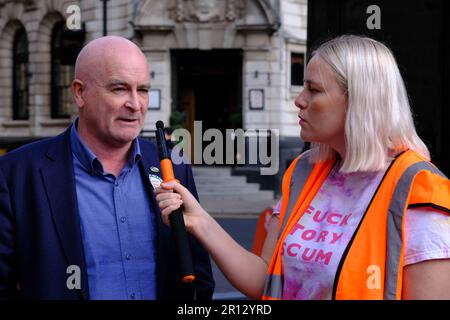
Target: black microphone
x,y
176,218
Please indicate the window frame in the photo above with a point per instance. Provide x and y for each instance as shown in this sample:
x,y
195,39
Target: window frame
x,y
60,89
293,90
20,60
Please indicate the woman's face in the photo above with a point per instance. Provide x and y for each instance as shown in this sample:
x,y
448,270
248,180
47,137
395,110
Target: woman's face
x,y
322,106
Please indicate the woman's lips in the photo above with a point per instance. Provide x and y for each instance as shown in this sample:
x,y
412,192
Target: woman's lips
x,y
301,120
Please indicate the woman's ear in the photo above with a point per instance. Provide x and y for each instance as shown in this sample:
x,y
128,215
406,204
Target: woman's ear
x,y
346,101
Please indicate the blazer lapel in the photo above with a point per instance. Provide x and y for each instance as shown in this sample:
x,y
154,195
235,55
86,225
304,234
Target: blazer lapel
x,y
59,182
148,162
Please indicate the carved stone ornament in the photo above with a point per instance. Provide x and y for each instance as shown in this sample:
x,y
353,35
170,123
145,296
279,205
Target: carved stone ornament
x,y
205,11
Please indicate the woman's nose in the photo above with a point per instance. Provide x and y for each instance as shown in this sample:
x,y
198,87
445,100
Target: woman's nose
x,y
300,101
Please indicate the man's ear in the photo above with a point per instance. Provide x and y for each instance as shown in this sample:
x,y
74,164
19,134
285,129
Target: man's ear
x,y
77,92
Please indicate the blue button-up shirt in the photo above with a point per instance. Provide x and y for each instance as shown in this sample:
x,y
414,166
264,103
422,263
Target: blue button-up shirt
x,y
117,226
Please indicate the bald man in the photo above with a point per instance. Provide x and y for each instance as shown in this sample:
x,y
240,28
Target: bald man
x,y
78,218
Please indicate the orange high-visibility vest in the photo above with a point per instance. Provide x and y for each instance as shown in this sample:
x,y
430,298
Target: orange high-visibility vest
x,y
371,266
261,232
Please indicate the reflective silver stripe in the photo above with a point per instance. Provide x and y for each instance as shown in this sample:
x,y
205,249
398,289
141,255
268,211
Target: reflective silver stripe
x,y
394,224
273,286
299,176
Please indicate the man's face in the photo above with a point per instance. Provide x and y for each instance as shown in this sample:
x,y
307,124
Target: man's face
x,y
116,99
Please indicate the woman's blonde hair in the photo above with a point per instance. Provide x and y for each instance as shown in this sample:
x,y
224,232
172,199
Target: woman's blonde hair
x,y
378,120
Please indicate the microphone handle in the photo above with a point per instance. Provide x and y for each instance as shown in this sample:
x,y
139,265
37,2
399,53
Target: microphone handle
x,y
182,245
176,218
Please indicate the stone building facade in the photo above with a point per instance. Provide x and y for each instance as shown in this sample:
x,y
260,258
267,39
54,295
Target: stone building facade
x,y
234,63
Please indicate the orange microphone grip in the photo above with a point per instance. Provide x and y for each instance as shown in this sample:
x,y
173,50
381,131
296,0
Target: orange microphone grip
x,y
167,170
189,278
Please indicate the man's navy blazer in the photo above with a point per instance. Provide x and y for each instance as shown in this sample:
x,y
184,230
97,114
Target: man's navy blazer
x,y
40,234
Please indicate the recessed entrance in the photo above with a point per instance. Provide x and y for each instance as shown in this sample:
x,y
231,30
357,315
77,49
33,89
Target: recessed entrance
x,y
207,87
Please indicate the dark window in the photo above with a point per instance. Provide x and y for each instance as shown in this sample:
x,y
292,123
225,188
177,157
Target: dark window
x,y
297,63
66,45
20,75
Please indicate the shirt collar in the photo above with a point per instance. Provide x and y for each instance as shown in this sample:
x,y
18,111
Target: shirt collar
x,y
89,160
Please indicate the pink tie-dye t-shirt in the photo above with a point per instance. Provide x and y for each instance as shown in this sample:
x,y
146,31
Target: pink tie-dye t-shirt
x,y
313,248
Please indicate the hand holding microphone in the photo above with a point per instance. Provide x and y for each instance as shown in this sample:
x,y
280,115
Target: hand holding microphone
x,y
171,196
176,218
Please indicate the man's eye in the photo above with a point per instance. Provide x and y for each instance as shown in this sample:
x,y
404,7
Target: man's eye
x,y
118,89
144,90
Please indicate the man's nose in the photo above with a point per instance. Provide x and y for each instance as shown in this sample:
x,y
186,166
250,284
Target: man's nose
x,y
134,102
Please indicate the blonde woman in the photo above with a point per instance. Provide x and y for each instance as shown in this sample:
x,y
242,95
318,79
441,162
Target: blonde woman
x,y
363,214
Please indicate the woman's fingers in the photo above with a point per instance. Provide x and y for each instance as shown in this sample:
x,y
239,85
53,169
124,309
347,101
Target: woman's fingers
x,y
161,190
169,202
174,190
169,185
171,196
177,187
167,195
168,210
